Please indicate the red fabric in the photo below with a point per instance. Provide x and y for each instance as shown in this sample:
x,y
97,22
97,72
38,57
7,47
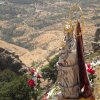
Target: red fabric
x,y
84,82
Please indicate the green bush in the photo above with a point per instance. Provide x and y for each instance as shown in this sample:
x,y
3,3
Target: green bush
x,y
13,87
50,71
7,76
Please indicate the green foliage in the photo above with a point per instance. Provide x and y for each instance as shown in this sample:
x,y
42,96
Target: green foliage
x,y
7,76
92,77
23,1
13,87
35,65
50,71
11,9
26,1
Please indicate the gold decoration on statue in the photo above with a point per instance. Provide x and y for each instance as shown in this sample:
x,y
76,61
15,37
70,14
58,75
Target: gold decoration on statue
x,y
70,27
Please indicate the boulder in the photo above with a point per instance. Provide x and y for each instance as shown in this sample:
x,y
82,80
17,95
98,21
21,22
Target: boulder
x,y
96,43
9,60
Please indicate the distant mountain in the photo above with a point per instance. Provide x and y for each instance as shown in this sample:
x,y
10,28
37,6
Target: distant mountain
x,y
23,21
22,1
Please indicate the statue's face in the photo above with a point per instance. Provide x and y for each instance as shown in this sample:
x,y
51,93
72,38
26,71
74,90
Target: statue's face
x,y
69,40
69,36
69,31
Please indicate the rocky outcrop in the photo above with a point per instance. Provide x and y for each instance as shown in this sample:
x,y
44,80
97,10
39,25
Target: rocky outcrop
x,y
9,60
96,43
97,35
24,55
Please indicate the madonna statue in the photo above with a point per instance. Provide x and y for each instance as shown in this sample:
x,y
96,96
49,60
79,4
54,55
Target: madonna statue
x,y
72,77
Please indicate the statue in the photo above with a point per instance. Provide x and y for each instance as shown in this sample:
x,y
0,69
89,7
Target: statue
x,y
72,76
67,65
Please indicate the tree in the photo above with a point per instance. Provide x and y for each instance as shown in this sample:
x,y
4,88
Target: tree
x,y
13,87
50,71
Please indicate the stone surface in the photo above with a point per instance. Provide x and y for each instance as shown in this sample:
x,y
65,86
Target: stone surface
x,y
67,66
9,60
96,43
61,98
96,46
97,35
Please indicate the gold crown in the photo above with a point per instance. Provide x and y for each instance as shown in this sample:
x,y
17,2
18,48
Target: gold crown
x,y
69,28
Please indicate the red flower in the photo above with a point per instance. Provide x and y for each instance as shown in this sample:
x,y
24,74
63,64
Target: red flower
x,y
91,71
31,83
88,65
39,76
33,71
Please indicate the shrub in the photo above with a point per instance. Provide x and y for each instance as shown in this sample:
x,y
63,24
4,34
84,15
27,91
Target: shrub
x,y
13,87
50,71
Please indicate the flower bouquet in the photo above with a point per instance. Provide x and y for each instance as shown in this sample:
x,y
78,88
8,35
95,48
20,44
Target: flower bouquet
x,y
91,72
34,84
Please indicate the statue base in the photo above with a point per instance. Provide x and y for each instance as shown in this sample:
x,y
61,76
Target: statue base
x,y
60,97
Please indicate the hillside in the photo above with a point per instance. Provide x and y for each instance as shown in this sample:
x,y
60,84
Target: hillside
x,y
31,33
36,26
23,54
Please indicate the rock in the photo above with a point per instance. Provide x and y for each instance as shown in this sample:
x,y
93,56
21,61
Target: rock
x,y
96,46
96,43
97,35
8,60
